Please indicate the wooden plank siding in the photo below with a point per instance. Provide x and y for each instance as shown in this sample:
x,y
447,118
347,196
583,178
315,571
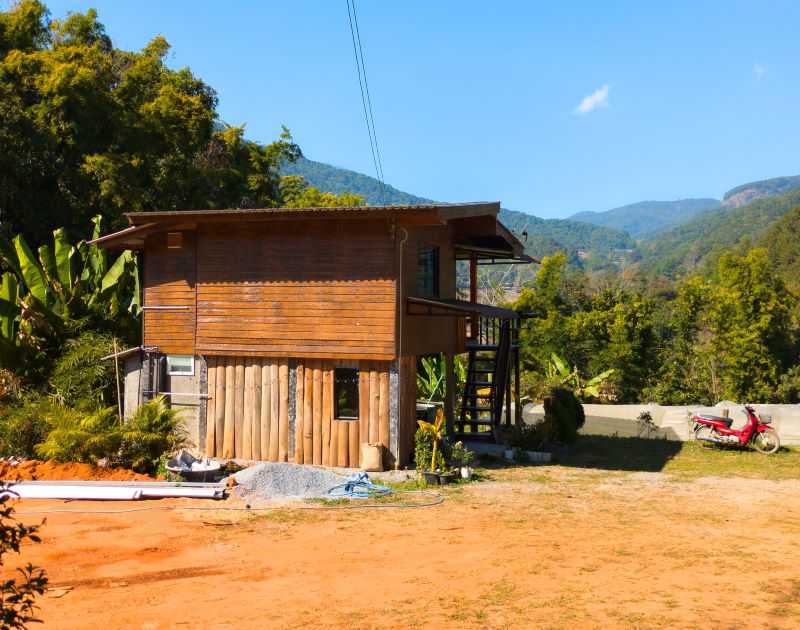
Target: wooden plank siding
x,y
299,289
319,438
169,281
423,334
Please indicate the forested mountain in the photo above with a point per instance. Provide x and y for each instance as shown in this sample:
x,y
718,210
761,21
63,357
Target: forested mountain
x,y
782,240
744,194
647,218
340,180
699,243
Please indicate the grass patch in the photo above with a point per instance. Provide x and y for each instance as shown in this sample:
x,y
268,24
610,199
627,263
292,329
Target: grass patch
x,y
684,460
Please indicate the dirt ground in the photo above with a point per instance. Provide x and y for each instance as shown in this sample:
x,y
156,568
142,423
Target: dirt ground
x,y
544,547
37,471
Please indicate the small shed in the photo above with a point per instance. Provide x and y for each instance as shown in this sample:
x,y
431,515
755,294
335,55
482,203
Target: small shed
x,y
294,333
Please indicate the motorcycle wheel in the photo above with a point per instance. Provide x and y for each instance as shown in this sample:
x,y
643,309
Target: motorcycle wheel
x,y
705,431
767,442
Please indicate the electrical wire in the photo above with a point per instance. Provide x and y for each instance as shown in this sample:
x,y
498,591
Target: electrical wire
x,y
365,99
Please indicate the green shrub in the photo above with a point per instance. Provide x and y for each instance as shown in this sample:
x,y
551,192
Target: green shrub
x,y
78,437
459,455
563,414
423,452
25,425
153,430
79,378
138,443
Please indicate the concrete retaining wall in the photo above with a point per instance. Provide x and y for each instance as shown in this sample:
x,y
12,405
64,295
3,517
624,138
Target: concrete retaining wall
x,y
672,421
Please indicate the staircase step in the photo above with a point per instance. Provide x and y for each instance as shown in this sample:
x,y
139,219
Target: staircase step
x,y
482,347
482,370
479,383
477,395
476,408
465,423
477,435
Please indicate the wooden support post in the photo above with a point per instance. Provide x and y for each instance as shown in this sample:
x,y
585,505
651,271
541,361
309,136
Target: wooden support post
x,y
256,420
308,418
374,405
363,406
229,445
219,407
473,296
327,394
298,416
275,411
238,407
247,415
211,363
266,407
450,393
317,411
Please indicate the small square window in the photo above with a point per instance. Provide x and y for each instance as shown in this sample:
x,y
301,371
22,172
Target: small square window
x,y
174,240
345,392
180,365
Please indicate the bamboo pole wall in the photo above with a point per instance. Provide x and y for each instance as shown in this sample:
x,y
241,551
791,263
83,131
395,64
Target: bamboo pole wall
x,y
248,410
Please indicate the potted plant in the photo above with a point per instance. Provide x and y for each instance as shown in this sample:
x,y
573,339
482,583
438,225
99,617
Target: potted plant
x,y
461,459
429,440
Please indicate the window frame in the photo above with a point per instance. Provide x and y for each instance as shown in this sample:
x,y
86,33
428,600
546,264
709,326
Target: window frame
x,y
429,256
170,369
337,380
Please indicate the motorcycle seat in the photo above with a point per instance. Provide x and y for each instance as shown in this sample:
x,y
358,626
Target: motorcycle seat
x,y
726,421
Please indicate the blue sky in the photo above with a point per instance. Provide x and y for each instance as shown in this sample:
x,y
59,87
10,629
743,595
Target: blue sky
x,y
551,108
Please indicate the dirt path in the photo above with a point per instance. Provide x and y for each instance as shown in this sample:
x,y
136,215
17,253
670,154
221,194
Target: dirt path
x,y
534,547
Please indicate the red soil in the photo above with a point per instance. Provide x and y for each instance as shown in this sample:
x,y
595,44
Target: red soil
x,y
34,470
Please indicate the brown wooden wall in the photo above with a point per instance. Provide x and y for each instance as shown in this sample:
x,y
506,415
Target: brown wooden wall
x,y
321,289
169,280
248,411
427,334
407,409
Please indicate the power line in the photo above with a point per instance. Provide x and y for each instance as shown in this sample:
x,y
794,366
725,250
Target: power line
x,y
365,99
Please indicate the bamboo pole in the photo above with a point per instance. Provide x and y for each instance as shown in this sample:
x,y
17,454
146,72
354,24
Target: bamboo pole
x,y
256,420
266,410
352,445
374,404
363,406
326,415
308,420
298,416
219,407
211,363
247,415
274,434
283,451
239,406
229,446
316,402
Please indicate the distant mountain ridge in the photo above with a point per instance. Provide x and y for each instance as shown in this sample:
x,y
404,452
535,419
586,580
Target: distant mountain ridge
x,y
744,194
647,218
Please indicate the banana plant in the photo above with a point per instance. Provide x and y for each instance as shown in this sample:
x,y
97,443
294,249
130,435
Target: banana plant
x,y
433,429
431,378
63,284
558,371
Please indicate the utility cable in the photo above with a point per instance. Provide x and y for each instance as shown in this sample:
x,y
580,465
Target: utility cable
x,y
365,101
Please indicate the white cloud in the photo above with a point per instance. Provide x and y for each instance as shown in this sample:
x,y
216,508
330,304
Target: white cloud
x,y
598,98
758,71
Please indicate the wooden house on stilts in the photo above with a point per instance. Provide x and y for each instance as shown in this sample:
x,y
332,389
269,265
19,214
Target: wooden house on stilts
x,y
293,333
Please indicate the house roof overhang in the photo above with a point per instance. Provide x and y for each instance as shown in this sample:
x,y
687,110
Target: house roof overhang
x,y
456,308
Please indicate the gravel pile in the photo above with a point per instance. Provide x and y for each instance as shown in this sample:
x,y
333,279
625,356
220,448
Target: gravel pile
x,y
269,481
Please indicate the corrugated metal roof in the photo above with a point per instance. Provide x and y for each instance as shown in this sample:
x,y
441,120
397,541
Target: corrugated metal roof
x,y
452,210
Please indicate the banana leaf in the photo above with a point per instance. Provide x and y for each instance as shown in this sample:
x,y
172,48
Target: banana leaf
x,y
64,259
9,294
32,273
9,256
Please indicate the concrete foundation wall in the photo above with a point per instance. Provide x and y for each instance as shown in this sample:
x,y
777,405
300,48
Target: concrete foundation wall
x,y
672,421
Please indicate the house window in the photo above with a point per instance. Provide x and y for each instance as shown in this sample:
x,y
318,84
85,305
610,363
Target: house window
x,y
427,271
345,392
174,240
180,365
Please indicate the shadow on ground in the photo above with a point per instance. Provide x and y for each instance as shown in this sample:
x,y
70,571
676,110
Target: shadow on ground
x,y
621,453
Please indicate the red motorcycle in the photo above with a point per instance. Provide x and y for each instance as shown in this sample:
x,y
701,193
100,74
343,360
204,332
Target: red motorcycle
x,y
717,430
